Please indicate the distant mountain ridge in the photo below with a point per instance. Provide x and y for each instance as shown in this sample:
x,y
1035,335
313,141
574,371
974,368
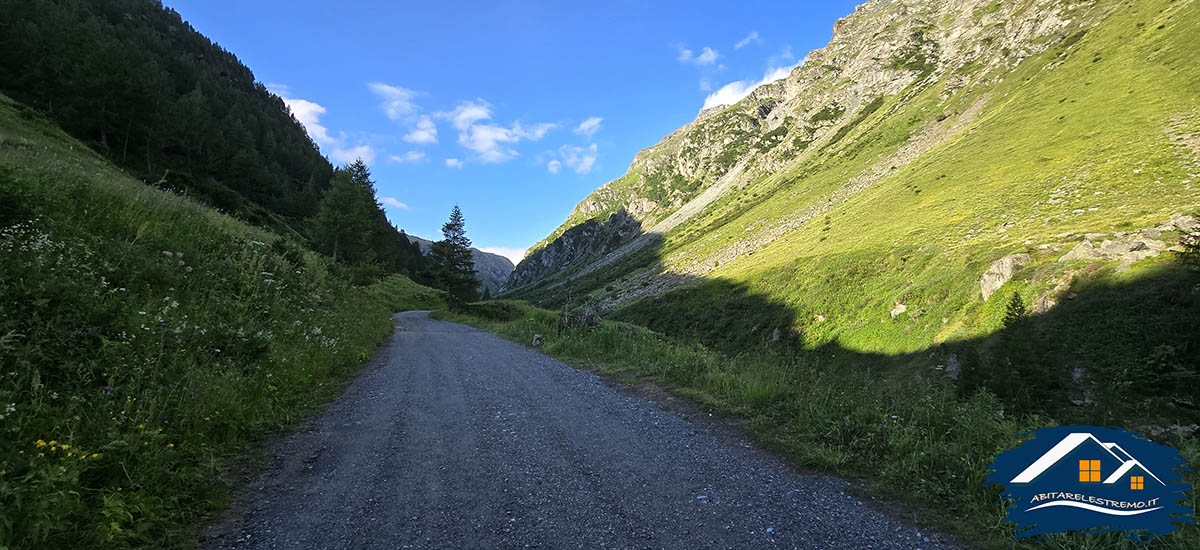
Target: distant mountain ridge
x,y
491,269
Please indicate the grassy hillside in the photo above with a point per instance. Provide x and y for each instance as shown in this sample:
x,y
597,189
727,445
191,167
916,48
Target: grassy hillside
x,y
145,340
901,204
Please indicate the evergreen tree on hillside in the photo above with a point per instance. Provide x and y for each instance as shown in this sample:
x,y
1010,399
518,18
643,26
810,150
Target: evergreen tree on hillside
x,y
451,261
342,226
1015,310
352,227
487,294
134,81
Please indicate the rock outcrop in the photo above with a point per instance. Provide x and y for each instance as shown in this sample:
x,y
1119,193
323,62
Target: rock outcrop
x,y
583,243
1000,272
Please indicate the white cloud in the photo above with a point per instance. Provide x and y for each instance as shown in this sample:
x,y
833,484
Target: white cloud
x,y
346,155
397,101
553,166
308,113
589,127
411,157
783,58
707,55
513,254
490,143
425,131
533,133
580,159
468,113
454,163
735,91
394,203
750,38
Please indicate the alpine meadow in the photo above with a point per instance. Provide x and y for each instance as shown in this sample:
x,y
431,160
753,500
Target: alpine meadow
x,y
812,316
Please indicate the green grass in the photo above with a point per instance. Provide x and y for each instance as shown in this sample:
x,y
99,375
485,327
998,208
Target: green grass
x,y
915,439
146,341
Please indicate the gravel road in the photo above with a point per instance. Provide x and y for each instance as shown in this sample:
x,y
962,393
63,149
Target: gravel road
x,y
454,438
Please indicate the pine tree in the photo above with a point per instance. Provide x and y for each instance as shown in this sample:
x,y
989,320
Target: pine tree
x,y
487,294
1191,249
451,260
1015,311
342,224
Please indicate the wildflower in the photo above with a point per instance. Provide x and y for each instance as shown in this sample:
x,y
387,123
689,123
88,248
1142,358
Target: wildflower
x,y
40,443
108,389
65,446
95,456
170,444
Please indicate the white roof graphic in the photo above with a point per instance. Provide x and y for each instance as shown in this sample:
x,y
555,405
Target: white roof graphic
x,y
1068,444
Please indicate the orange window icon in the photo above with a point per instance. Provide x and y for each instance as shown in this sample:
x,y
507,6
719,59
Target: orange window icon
x,y
1089,471
1136,482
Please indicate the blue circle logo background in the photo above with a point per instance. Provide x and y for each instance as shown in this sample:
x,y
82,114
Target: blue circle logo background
x,y
1069,478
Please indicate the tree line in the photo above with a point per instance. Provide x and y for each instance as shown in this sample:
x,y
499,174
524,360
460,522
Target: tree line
x,y
134,81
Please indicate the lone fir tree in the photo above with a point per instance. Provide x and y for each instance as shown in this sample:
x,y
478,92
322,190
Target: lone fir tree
x,y
451,259
1015,310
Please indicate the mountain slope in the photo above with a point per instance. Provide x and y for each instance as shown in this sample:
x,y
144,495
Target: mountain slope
x,y
491,269
140,86
145,340
863,197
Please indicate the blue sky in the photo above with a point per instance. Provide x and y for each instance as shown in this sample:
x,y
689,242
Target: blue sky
x,y
513,110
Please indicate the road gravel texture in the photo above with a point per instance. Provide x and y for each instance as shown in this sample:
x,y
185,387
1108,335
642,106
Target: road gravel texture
x,y
454,438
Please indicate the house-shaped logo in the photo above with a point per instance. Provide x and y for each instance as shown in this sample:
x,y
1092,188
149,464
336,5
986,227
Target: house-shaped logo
x,y
1090,478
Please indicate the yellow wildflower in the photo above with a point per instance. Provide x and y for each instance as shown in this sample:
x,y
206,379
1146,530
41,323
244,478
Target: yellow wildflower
x,y
170,444
40,443
95,455
65,447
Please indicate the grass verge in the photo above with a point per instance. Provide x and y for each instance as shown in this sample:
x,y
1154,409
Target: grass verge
x,y
912,439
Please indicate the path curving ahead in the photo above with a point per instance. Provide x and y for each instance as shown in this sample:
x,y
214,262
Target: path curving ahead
x,y
454,438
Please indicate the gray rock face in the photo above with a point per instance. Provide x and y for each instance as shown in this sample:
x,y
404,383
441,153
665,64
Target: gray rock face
x,y
1127,250
585,242
1184,223
1000,272
491,269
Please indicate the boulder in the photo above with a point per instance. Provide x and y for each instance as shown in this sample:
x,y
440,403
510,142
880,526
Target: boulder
x,y
1184,222
1082,251
1000,272
1044,303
